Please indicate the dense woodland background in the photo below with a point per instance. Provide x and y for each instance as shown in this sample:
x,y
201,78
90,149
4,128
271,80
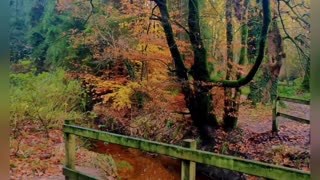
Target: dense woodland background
x,y
154,69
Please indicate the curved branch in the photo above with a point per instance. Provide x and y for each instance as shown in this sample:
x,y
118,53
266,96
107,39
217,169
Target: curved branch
x,y
254,69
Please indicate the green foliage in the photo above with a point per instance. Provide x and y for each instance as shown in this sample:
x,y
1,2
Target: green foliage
x,y
282,104
140,98
294,91
255,92
124,164
174,91
245,90
225,147
219,75
254,29
19,22
107,164
50,38
169,123
47,99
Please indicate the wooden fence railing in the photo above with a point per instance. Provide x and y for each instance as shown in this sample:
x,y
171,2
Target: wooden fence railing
x,y
275,112
188,154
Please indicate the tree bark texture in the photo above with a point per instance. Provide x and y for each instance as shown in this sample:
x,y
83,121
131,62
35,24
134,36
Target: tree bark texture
x,y
232,113
268,83
228,116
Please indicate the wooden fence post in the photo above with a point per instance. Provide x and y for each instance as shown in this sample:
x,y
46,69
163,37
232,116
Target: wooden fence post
x,y
70,148
274,115
188,168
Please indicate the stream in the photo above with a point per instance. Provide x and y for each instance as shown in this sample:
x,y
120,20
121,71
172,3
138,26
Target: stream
x,y
145,166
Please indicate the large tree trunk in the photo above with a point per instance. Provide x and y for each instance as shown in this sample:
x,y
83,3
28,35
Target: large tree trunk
x,y
228,117
306,80
277,59
201,109
231,116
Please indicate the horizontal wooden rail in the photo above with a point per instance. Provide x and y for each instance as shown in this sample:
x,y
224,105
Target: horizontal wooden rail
x,y
228,162
299,101
73,174
275,113
301,120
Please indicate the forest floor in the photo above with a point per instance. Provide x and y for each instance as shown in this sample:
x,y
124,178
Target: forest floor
x,y
289,147
39,157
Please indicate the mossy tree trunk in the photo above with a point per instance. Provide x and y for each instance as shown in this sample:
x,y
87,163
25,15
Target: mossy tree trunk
x,y
268,83
198,100
306,79
201,108
228,117
277,59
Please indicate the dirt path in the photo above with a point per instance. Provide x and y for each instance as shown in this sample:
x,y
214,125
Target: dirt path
x,y
251,120
290,147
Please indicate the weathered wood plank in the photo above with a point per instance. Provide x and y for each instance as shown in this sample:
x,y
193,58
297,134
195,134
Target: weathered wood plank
x,y
76,175
70,147
299,101
275,127
228,162
188,168
301,120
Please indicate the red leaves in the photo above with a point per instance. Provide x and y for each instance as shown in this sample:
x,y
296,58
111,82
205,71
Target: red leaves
x,y
255,140
32,154
265,147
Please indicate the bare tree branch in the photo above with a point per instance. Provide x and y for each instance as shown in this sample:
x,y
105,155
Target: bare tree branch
x,y
288,35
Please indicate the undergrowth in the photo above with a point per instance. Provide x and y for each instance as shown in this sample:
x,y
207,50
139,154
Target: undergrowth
x,y
47,98
294,91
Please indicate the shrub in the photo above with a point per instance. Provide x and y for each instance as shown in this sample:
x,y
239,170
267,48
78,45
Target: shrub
x,y
294,91
121,98
47,99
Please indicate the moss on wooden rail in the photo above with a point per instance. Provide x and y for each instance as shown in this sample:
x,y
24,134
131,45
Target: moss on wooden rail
x,y
299,101
228,162
76,175
275,113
